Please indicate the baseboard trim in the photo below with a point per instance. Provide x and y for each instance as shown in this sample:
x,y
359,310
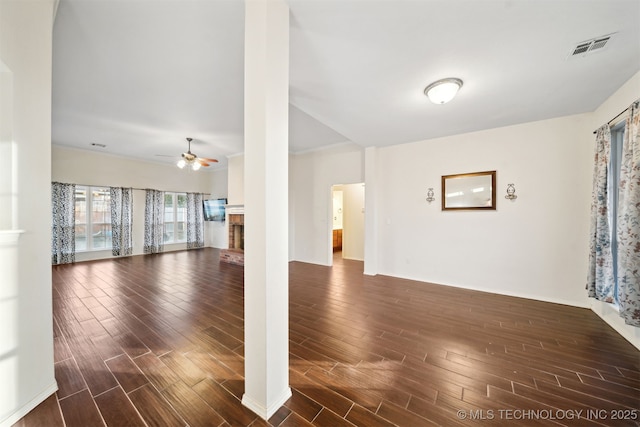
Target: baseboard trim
x,y
25,409
266,412
611,317
572,303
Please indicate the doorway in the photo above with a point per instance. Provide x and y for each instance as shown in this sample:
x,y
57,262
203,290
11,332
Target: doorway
x,y
347,220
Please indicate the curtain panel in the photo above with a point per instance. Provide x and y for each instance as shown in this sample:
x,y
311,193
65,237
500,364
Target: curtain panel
x,y
121,221
628,221
600,281
63,232
195,221
153,222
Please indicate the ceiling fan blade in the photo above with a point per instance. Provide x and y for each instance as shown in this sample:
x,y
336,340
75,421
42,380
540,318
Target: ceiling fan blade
x,y
202,162
209,160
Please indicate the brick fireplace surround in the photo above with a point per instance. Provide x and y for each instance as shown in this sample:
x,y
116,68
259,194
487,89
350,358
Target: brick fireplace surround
x,y
235,253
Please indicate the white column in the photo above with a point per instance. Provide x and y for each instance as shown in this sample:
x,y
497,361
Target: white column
x,y
371,211
266,137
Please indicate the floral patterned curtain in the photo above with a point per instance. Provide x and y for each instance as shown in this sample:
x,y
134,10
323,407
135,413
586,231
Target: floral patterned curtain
x,y
629,221
195,221
154,222
63,236
121,221
600,281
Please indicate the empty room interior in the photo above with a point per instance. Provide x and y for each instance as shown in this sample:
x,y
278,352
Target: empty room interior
x,y
319,213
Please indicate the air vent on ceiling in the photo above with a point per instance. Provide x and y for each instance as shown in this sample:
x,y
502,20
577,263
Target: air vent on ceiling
x,y
591,46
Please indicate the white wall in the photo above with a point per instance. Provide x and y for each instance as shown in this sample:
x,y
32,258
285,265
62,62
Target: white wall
x,y
26,320
292,211
97,169
534,247
311,177
7,215
236,180
216,231
353,227
337,207
92,168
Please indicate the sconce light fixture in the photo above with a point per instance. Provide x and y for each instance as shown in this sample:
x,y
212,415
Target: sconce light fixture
x,y
511,192
430,195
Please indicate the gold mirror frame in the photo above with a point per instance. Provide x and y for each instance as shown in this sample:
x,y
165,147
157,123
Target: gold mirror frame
x,y
469,191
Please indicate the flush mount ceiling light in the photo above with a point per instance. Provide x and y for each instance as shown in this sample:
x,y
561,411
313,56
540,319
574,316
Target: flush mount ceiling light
x,y
443,90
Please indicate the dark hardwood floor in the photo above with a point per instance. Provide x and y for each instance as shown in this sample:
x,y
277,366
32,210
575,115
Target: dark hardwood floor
x,y
157,340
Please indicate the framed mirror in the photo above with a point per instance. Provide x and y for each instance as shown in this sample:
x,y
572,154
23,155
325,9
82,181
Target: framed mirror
x,y
469,191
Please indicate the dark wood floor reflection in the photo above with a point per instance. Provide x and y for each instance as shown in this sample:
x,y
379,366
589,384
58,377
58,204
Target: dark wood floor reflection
x,y
158,341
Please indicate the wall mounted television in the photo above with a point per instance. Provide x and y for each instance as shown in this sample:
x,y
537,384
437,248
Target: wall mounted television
x,y
214,209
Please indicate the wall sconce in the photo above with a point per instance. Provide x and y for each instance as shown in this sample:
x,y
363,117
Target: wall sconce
x,y
511,192
430,195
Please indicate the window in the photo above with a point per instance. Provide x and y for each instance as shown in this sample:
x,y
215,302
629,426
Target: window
x,y
617,135
93,218
175,217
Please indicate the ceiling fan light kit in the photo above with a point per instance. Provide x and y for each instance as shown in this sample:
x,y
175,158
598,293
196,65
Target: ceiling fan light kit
x,y
443,90
192,160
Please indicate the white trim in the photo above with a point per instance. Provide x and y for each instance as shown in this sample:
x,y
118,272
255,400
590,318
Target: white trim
x,y
235,209
25,409
260,410
610,314
235,155
524,295
9,237
325,147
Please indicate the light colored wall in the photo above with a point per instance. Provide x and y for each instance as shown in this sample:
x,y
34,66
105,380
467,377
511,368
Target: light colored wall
x,y
311,177
93,168
353,230
218,237
7,215
236,180
292,210
26,321
338,207
534,247
98,169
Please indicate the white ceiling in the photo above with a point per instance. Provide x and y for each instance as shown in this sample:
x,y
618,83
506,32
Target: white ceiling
x,y
140,76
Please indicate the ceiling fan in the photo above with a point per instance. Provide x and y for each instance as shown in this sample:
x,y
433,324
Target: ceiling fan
x,y
194,161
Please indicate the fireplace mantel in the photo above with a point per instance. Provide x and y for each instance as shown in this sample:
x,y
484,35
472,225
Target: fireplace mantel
x,y
235,209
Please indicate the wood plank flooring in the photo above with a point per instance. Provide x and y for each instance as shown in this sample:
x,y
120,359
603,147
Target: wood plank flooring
x,y
157,340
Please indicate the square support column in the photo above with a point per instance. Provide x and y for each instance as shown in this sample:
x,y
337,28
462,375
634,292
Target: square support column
x,y
266,148
371,209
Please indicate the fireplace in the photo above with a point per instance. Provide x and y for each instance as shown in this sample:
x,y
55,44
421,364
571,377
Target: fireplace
x,y
235,253
236,231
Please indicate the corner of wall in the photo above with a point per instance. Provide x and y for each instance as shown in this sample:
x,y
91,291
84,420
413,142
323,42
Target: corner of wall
x,y
611,316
